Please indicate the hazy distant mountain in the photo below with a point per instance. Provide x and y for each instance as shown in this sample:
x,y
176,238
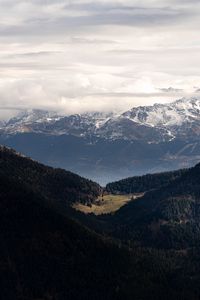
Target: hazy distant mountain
x,y
146,139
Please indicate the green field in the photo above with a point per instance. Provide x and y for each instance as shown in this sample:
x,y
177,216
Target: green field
x,y
105,205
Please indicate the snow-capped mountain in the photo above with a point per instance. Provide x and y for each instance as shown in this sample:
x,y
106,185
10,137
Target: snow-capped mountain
x,y
152,124
27,120
166,115
147,139
41,121
179,119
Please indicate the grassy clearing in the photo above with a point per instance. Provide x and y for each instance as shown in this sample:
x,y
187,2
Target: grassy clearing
x,y
105,205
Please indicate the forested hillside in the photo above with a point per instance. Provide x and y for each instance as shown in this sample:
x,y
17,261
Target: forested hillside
x,y
140,184
55,184
45,255
166,217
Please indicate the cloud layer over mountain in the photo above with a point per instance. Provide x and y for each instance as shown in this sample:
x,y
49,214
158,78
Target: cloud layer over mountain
x,y
97,55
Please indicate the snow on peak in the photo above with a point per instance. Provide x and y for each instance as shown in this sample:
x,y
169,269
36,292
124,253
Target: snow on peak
x,y
168,115
155,123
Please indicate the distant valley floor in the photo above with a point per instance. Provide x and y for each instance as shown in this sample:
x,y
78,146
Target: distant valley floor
x,y
103,160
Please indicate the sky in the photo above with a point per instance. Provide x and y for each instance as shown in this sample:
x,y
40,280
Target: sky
x,y
79,55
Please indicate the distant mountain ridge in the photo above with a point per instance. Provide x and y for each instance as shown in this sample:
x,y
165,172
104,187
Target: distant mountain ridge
x,y
148,139
154,124
170,114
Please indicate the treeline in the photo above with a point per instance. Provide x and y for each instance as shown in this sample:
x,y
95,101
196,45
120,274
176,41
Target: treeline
x,y
140,184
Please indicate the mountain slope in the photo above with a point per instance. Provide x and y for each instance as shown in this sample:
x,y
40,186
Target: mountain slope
x,y
56,184
180,119
141,184
45,255
170,114
166,217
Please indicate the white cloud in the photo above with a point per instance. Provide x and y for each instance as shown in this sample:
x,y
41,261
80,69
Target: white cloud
x,y
97,55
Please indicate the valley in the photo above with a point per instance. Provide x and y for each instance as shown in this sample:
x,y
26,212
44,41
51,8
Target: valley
x,y
107,204
99,150
141,248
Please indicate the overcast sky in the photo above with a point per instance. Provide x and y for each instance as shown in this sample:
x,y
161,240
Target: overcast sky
x,y
75,56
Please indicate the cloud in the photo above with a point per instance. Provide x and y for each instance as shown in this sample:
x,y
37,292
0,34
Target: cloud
x,y
171,90
49,17
97,55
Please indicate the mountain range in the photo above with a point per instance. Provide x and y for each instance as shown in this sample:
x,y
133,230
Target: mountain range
x,y
154,124
150,139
